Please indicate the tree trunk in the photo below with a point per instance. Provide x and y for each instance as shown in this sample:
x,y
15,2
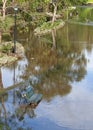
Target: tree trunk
x,y
54,13
4,8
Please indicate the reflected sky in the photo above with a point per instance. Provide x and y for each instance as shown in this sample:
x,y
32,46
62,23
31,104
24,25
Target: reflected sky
x,y
11,75
69,112
74,111
90,63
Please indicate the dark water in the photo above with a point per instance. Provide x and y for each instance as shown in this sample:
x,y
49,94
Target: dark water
x,y
60,67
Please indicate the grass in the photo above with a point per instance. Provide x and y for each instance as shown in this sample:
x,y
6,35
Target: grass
x,y
90,1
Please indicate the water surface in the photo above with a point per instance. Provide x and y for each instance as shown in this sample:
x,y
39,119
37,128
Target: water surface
x,y
60,67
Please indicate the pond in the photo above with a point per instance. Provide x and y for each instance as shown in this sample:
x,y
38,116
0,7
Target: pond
x,y
60,67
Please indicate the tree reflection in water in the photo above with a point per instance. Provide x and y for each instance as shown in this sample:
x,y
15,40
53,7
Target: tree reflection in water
x,y
60,63
22,110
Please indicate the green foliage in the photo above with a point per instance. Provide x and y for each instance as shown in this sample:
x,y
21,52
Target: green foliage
x,y
5,48
85,14
37,19
33,5
6,24
40,20
46,26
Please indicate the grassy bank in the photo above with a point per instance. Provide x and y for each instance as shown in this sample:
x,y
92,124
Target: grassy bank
x,y
90,1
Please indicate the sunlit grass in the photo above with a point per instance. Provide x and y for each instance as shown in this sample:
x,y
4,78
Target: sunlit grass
x,y
90,1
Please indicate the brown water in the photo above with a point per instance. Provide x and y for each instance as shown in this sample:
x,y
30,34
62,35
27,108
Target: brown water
x,y
60,67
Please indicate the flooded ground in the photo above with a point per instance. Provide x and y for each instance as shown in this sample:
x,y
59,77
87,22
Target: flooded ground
x,y
60,67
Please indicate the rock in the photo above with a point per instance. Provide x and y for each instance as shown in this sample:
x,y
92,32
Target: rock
x,y
9,57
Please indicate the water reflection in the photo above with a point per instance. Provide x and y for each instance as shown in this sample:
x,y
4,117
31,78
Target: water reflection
x,y
1,85
60,67
12,74
13,115
60,62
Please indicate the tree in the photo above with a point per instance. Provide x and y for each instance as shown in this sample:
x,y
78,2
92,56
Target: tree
x,y
4,8
54,2
4,4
